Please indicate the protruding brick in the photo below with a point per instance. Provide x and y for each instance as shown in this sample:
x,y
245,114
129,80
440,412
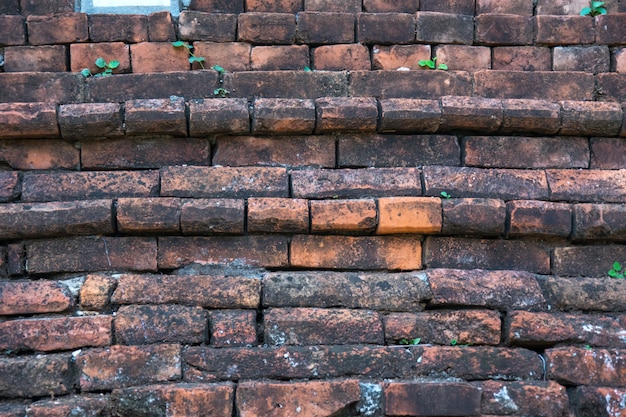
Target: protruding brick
x,y
278,215
587,294
462,57
156,116
493,29
48,58
267,28
347,57
31,297
587,261
462,7
9,185
385,6
42,154
385,28
161,27
212,216
232,328
536,398
425,399
587,185
28,121
459,28
279,57
121,366
476,216
287,84
471,113
37,376
396,57
358,114
409,115
90,120
608,29
127,28
418,215
96,291
13,30
597,401
84,55
218,115
57,28
343,216
283,116
363,252
48,87
539,218
577,366
409,84
94,404
581,118
599,221
325,28
532,116
148,215
504,7
347,6
522,58
232,56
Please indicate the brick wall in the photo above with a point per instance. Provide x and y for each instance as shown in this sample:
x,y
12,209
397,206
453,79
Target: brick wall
x,y
324,228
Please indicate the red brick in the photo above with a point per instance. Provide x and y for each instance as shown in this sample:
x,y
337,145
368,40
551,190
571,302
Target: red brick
x,y
587,185
535,398
564,30
312,326
539,218
348,57
459,28
533,116
84,55
417,215
212,216
613,87
15,259
395,57
214,27
287,84
506,184
90,120
169,58
263,251
462,7
48,87
218,115
278,215
266,28
425,399
283,116
210,291
226,182
387,6
409,84
325,27
122,366
476,216
232,56
347,6
354,114
148,215
592,59
343,216
28,121
376,291
57,28
218,6
127,28
597,401
409,115
37,376
577,366
462,57
279,57
493,29
156,116
307,399
601,119
279,6
88,185
91,254
13,30
232,328
49,58
49,334
476,327
522,58
500,290
363,252
589,261
95,404
161,27
346,183
609,29
39,154
31,297
504,7
470,113
96,291
589,294
18,221
560,7
396,28
49,7
599,221
9,185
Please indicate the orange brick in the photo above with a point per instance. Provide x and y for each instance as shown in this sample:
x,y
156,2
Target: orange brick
x,y
89,120
393,57
531,398
28,121
463,57
218,115
84,55
354,114
539,218
579,366
57,28
161,27
522,58
278,215
471,113
587,185
230,328
158,57
279,57
232,56
95,293
29,297
409,215
267,28
349,57
39,154
283,116
409,115
343,216
58,407
201,216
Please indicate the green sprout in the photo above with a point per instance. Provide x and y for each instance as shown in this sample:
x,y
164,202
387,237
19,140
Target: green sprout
x,y
432,64
595,8
616,271
192,57
445,195
106,68
221,92
413,342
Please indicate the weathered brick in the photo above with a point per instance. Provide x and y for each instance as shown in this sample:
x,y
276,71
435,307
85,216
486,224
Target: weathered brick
x,y
587,185
287,84
128,28
163,323
500,290
539,218
28,121
394,57
267,28
586,294
313,326
96,291
346,183
39,154
386,6
505,184
409,115
601,119
618,60
16,259
90,120
50,7
476,327
219,115
385,28
283,116
609,27
419,215
48,58
577,366
532,116
10,185
459,28
49,334
493,29
88,185
470,113
212,216
560,7
232,56
211,291
23,220
409,84
263,251
284,6
537,398
13,30
226,182
425,399
214,27
91,254
363,252
462,7
148,215
218,6
31,297
607,153
278,215
57,28
12,410
398,150
94,404
10,7
354,114
462,57
37,376
48,87
121,366
307,399
613,87
343,216
325,28
156,116
564,30
161,27
232,328
170,58
590,261
592,59
347,57
347,6
476,216
84,55
279,57
521,58
504,7
599,221
597,401
407,291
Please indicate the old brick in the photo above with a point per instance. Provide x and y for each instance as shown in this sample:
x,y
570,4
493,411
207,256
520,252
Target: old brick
x,y
618,61
424,399
267,28
343,216
601,119
94,404
476,327
90,120
127,28
355,114
394,57
12,409
48,87
37,376
57,28
218,6
48,334
278,215
9,185
88,185
409,84
471,113
347,6
225,182
376,291
263,251
419,215
84,55
13,30
504,7
161,27
28,121
363,252
91,254
231,328
347,57
313,326
493,29
599,221
613,87
121,366
219,115
410,115
212,216
476,216
586,293
577,366
505,184
607,153
536,398
587,185
284,6
597,401
539,218
170,58
48,58
39,154
232,56
532,116
211,291
325,28
593,59
279,57
564,30
459,28
287,84
346,183
148,215
500,290
31,297
283,116
589,261
16,259
96,291
522,58
462,7
560,7
49,7
608,29
18,221
462,57
385,28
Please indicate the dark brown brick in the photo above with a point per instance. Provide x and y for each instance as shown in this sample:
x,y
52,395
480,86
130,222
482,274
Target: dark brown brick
x,y
493,29
148,215
592,59
588,261
599,221
37,376
536,398
409,84
28,121
87,120
283,116
161,27
219,115
608,153
608,29
377,291
214,27
218,6
279,57
19,221
409,115
31,297
10,7
128,28
91,254
532,116
212,216
504,7
49,334
57,28
232,328
587,185
121,366
13,30
586,293
522,58
475,216
48,58
500,290
599,119
385,6
96,291
425,399
612,86
263,251
226,182
345,183
459,28
353,216
564,30
94,404
156,116
84,56
597,401
577,366
286,84
539,218
266,28
278,215
325,28
10,185
385,28
88,185
49,7
48,87
470,113
12,410
16,259
463,7
22,154
312,326
347,6
359,114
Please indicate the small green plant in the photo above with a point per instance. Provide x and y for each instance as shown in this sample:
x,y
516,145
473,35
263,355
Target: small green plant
x,y
413,342
587,347
455,342
220,70
445,195
221,92
617,271
106,68
307,69
595,8
189,48
432,64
